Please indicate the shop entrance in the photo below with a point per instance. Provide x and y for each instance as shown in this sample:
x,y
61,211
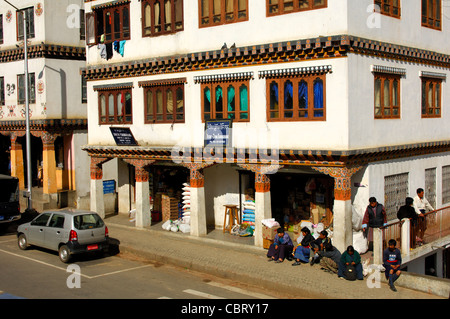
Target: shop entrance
x,y
296,197
166,185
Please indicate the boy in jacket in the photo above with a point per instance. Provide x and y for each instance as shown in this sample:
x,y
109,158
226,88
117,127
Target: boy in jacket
x,y
392,260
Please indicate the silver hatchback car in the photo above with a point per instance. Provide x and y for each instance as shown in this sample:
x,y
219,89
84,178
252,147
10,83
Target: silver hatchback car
x,y
67,231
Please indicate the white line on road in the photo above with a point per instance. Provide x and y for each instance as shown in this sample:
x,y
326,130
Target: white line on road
x,y
65,269
240,291
201,294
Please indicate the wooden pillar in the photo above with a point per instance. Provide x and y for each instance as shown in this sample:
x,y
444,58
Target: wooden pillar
x,y
197,194
50,183
143,213
263,205
97,201
16,158
342,208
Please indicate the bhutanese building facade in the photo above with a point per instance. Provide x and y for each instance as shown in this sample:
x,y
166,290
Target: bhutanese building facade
x,y
330,101
58,117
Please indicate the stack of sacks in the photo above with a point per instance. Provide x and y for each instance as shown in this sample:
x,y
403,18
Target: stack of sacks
x,y
186,209
248,216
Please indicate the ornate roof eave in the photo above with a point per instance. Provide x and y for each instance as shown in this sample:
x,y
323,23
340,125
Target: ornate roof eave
x,y
350,158
288,51
51,125
52,51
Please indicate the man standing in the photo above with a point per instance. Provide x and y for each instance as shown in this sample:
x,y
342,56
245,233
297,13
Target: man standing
x,y
421,205
374,217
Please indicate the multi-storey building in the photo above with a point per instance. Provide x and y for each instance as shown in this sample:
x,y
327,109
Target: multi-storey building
x,y
329,102
57,106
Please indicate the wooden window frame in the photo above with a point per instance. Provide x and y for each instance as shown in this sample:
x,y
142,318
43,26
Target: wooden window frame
x,y
31,89
165,116
279,8
175,26
435,21
102,12
2,90
116,117
383,77
239,114
206,21
31,32
387,8
433,111
296,110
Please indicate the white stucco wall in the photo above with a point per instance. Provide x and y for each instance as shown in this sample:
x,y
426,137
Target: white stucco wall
x,y
330,134
406,31
372,178
367,132
259,29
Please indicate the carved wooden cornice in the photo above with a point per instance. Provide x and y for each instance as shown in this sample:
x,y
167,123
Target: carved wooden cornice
x,y
286,158
51,125
288,51
52,51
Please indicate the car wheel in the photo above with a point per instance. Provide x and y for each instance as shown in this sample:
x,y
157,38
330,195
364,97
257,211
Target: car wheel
x,y
22,242
64,254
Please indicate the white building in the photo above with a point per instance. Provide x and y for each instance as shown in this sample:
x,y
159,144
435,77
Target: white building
x,y
348,97
58,117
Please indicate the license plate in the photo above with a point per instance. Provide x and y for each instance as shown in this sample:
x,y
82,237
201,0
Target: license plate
x,y
92,247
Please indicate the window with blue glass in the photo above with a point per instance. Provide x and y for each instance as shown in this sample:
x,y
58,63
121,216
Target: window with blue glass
x,y
226,100
295,99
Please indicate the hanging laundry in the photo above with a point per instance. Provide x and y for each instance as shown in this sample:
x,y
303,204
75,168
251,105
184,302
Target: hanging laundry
x,y
109,50
116,46
102,48
122,47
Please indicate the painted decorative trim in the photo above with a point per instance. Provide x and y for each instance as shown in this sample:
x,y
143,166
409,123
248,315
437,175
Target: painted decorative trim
x,y
162,82
433,75
223,77
141,174
197,178
342,180
295,71
110,4
115,86
96,167
387,69
50,51
289,51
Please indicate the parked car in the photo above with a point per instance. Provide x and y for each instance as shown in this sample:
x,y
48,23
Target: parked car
x,y
67,231
9,199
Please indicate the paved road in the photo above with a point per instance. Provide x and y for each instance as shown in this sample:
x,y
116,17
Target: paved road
x,y
38,274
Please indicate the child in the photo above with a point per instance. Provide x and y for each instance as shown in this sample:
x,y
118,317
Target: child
x,y
392,260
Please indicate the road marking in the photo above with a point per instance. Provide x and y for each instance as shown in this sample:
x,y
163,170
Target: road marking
x,y
240,291
65,269
201,294
7,241
38,261
163,297
119,271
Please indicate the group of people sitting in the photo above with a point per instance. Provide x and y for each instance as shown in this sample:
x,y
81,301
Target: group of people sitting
x,y
346,265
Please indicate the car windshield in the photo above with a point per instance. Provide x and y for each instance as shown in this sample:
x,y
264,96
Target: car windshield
x,y
88,221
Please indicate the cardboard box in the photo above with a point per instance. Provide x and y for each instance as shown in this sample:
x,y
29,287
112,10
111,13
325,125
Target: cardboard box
x,y
269,233
267,243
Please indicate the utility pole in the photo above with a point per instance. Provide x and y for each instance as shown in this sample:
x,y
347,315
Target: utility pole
x,y
27,104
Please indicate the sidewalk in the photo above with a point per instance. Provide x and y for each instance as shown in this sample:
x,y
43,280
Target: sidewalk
x,y
233,257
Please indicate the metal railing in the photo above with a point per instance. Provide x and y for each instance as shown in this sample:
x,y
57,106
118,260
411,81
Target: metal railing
x,y
432,226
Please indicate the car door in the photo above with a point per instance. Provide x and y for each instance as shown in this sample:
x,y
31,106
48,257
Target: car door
x,y
36,231
54,232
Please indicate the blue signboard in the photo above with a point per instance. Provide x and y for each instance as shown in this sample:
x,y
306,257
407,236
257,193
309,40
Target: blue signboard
x,y
218,133
109,187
